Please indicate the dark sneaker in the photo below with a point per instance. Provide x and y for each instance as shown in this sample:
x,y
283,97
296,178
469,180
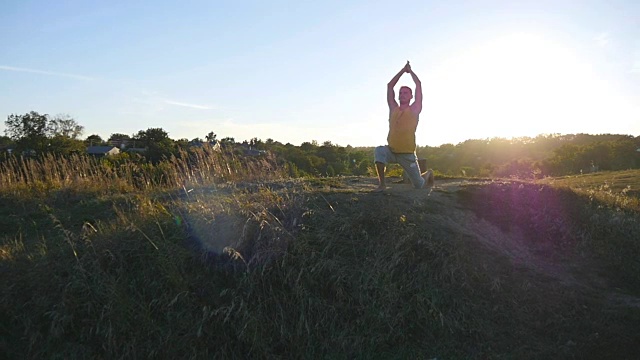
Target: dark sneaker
x,y
428,178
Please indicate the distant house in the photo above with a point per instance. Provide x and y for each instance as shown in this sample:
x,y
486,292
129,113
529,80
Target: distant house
x,y
119,143
103,150
135,150
248,150
215,144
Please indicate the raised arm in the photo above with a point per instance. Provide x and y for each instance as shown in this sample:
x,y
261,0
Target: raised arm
x,y
391,95
416,107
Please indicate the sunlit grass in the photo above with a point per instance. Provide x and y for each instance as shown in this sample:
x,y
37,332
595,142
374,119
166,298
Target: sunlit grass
x,y
619,189
211,255
199,167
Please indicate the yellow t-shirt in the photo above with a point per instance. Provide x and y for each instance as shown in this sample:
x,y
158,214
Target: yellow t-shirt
x,y
402,131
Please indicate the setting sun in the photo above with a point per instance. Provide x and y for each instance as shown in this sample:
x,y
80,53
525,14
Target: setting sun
x,y
521,84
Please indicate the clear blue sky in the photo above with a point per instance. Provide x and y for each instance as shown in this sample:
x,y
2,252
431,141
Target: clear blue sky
x,y
298,71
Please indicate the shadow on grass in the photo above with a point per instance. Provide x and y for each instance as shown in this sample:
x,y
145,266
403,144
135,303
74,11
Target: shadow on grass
x,y
362,276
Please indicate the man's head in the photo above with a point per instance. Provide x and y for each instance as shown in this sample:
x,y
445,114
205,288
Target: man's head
x,y
406,94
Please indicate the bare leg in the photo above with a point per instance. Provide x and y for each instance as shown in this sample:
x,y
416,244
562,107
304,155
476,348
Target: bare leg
x,y
380,167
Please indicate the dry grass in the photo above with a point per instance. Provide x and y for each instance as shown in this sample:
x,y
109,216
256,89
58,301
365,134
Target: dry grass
x,y
198,167
617,189
209,255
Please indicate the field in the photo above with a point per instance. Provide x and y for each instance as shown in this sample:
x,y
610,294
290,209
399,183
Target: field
x,y
620,189
221,258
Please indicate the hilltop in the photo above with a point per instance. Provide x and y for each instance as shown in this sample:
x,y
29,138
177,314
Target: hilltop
x,y
323,268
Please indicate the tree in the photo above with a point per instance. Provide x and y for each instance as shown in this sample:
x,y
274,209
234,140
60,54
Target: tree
x,y
309,146
65,126
157,142
29,131
182,143
5,141
152,136
211,137
118,140
63,132
624,154
255,143
227,142
94,140
64,145
118,136
37,133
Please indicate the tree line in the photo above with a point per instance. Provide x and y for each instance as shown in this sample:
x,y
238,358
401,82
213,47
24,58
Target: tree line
x,y
33,134
543,155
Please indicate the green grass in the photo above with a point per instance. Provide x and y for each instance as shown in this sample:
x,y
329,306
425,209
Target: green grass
x,y
315,269
618,189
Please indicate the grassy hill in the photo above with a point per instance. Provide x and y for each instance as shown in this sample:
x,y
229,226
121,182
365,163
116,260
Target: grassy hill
x,y
322,268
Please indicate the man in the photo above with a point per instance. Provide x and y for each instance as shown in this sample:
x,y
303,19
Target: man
x,y
403,121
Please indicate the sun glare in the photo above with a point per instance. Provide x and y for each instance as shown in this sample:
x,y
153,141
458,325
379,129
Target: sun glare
x,y
518,85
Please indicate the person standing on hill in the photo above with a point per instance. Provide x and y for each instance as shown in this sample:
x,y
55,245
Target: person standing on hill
x,y
401,140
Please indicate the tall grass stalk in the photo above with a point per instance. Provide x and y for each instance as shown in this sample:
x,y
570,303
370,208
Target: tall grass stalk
x,y
197,167
310,273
